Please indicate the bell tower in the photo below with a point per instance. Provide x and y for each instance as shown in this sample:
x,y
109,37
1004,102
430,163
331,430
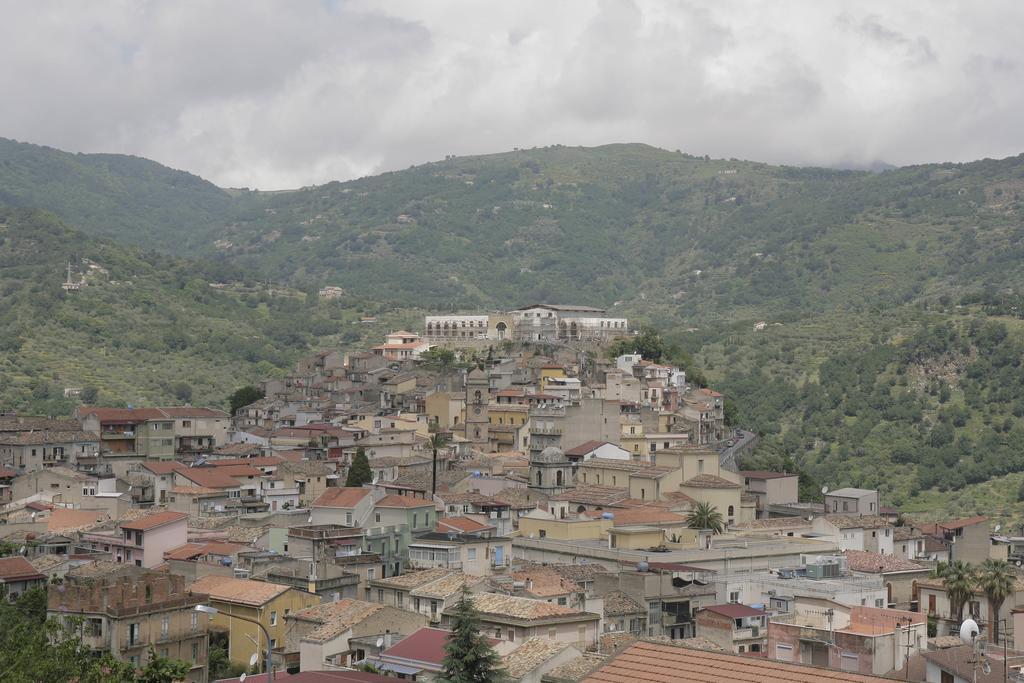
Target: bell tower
x,y
478,395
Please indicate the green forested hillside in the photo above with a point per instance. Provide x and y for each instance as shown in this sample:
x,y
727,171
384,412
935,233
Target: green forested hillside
x,y
893,300
147,328
134,200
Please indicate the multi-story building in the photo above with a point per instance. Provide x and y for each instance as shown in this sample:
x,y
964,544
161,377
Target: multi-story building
x,y
734,627
539,322
126,611
475,555
18,575
33,450
264,602
141,542
157,433
671,592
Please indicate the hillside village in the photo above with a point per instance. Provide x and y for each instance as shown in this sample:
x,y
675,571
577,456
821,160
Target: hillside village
x,y
594,506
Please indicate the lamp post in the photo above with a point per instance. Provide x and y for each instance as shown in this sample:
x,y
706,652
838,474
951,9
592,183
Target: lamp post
x,y
268,666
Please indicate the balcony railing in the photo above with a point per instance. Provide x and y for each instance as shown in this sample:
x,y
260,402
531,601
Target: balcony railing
x,y
554,431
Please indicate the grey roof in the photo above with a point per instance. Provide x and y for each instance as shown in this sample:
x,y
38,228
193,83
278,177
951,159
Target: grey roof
x,y
851,492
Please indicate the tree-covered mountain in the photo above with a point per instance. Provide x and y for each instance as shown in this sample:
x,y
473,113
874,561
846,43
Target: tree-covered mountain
x,y
130,199
145,328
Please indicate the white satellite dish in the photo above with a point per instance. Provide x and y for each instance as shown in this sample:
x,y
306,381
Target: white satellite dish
x,y
969,631
998,527
824,490
380,642
33,516
21,551
252,660
309,520
241,679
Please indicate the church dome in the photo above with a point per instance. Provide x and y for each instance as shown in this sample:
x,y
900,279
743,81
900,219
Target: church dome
x,y
551,454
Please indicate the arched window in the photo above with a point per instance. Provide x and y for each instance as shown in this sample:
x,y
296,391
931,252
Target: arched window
x,y
732,511
558,478
540,479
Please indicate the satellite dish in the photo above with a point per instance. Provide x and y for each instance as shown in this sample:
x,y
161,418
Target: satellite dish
x,y
824,490
253,659
986,667
241,679
309,520
21,551
33,516
969,631
380,642
998,527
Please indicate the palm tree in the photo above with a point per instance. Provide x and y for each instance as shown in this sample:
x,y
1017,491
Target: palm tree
x,y
437,441
998,581
959,580
705,516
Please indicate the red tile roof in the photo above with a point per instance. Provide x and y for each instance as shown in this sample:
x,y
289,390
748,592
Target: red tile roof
x,y
18,569
423,645
164,467
735,610
209,477
344,497
462,524
645,662
585,447
155,520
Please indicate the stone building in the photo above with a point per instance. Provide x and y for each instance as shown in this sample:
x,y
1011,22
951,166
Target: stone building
x,y
125,609
550,471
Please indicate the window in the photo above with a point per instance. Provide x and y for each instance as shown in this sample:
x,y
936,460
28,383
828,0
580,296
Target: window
x,y
734,596
742,649
848,661
380,595
511,634
195,652
165,626
273,643
700,465
399,598
195,621
415,520
471,554
416,604
433,608
497,633
543,533
371,574
273,618
376,517
93,627
562,601
783,653
133,634
348,519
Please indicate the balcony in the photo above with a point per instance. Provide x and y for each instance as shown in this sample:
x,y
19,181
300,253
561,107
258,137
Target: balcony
x,y
105,435
552,431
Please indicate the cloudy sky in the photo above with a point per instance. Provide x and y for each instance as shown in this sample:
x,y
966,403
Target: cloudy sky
x,y
288,93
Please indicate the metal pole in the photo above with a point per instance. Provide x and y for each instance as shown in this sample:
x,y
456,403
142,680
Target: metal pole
x,y
269,665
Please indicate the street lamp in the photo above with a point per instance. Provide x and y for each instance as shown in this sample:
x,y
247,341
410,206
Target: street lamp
x,y
268,666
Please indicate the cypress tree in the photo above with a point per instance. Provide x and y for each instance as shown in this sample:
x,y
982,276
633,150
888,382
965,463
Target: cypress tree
x,y
468,657
359,471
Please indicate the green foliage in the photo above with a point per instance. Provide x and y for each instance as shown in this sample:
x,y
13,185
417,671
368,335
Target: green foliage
x,y
243,397
219,664
997,580
359,471
705,516
35,648
959,580
468,657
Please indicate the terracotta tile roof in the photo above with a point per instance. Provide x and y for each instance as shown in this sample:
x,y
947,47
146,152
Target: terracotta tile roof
x,y
260,461
521,497
188,551
208,477
18,569
153,521
775,523
961,523
457,498
864,561
122,415
463,525
530,655
7,474
32,438
710,481
645,662
492,605
424,645
412,579
396,501
857,521
63,519
196,490
191,411
163,467
545,582
446,586
191,551
240,591
240,470
735,610
586,447
617,603
335,617
342,497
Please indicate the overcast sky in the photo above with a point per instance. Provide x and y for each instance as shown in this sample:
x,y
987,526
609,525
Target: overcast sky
x,y
289,93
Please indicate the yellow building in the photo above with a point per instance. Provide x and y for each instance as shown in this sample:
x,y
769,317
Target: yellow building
x,y
267,603
539,523
642,480
445,408
635,537
548,372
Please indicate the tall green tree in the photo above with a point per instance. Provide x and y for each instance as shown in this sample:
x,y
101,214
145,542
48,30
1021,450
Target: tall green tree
x,y
243,397
998,581
359,471
468,657
705,516
958,578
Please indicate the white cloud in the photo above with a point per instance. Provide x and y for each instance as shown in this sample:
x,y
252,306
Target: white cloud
x,y
277,94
